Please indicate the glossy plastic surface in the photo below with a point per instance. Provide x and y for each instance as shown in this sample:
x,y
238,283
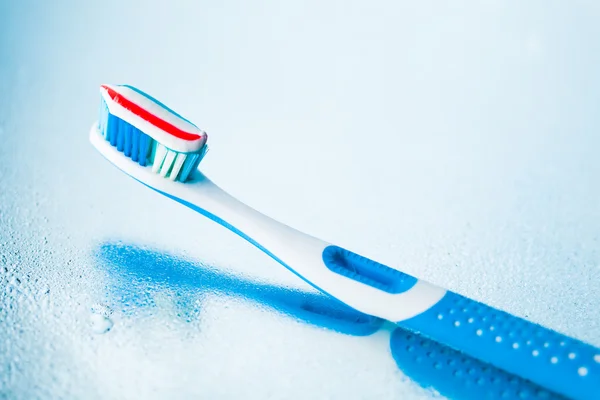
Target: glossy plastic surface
x,y
555,361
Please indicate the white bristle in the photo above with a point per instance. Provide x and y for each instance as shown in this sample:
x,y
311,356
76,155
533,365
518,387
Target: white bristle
x,y
167,163
177,165
159,156
103,119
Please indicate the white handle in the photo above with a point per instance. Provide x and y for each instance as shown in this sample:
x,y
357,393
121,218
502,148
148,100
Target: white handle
x,y
297,251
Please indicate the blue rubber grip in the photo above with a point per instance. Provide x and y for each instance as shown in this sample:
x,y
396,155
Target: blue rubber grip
x,y
545,357
456,375
364,270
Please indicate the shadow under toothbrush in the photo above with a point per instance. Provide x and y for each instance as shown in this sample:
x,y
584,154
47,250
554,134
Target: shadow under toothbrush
x,y
142,273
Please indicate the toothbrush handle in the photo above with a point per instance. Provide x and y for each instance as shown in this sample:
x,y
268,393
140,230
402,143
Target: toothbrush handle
x,y
550,359
384,292
530,351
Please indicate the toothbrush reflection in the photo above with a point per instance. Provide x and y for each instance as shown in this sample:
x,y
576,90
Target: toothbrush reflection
x,y
162,271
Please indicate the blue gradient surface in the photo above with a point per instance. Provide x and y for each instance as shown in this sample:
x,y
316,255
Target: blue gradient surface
x,y
456,142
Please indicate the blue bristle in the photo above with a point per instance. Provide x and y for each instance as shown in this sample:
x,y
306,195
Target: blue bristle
x,y
143,150
127,145
127,138
113,129
122,131
202,154
135,144
196,162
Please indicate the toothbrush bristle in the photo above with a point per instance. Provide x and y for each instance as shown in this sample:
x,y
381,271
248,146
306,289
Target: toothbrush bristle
x,y
144,150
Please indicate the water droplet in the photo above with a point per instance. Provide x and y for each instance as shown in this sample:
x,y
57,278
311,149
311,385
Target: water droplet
x,y
100,318
582,371
100,324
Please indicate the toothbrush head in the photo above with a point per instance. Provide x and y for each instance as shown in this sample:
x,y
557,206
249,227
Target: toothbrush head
x,y
150,133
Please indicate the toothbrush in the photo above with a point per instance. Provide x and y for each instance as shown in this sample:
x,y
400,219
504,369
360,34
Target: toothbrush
x,y
161,149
